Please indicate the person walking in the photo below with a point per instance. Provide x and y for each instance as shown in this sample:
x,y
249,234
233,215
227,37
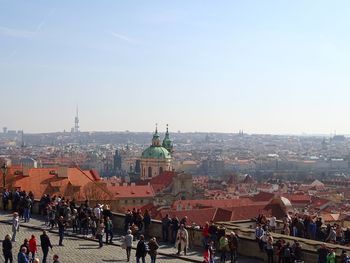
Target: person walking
x,y
181,240
7,249
45,245
33,247
109,230
61,227
129,238
15,226
153,247
141,250
100,233
22,256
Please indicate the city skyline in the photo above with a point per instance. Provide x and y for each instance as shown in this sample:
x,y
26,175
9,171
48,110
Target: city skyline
x,y
261,67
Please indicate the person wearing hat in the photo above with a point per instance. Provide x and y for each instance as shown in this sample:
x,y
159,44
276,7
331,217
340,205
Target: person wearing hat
x,y
15,226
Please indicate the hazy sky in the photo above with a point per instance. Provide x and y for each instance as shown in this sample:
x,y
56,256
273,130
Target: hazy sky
x,y
261,66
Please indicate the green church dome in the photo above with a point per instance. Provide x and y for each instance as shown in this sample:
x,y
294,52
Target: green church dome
x,y
156,152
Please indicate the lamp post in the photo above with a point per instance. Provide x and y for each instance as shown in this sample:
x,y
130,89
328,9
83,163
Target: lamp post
x,y
4,174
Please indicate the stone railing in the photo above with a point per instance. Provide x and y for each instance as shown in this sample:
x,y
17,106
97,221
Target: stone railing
x,y
245,230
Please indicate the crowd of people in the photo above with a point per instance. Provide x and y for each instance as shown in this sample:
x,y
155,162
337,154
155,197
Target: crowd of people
x,y
301,226
96,222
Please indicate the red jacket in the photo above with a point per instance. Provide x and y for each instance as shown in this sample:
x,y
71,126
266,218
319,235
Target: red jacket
x,y
32,245
205,231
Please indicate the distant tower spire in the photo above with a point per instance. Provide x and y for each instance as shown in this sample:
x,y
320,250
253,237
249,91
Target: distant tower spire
x,y
76,121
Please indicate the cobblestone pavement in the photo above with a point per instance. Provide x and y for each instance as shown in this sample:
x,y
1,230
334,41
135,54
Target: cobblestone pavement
x,y
78,249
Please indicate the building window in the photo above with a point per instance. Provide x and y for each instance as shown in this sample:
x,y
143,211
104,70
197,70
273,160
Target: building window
x,y
133,201
149,171
160,170
126,201
141,201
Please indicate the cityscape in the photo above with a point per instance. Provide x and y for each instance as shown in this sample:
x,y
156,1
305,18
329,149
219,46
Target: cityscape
x,y
174,131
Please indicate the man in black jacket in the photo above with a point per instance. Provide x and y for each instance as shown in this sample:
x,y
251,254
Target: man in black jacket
x,y
45,245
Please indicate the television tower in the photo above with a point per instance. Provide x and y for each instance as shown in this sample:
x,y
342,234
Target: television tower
x,y
76,121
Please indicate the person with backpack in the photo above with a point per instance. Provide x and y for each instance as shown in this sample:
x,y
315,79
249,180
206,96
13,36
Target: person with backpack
x,y
141,250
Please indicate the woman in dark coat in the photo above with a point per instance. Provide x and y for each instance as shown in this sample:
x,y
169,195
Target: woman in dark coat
x,y
7,249
153,247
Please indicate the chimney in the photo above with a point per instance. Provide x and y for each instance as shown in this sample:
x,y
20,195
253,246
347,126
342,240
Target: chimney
x,y
26,170
62,172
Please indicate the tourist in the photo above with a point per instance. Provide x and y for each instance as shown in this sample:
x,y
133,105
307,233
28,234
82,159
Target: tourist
x,y
233,246
205,234
273,224
109,230
153,247
7,249
181,240
213,231
55,259
100,233
259,232
141,250
27,208
223,247
146,222
287,253
45,245
26,245
331,258
5,199
322,253
269,247
128,240
165,228
332,236
15,226
175,223
22,256
61,227
344,258
33,247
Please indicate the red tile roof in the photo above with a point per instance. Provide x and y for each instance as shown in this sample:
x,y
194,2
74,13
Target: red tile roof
x,y
162,181
76,183
132,191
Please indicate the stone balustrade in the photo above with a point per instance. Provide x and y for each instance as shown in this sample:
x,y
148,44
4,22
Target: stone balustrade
x,y
245,230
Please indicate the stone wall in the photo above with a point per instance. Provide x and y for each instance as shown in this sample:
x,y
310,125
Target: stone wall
x,y
245,230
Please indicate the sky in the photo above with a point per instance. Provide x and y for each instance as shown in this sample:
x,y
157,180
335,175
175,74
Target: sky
x,y
212,66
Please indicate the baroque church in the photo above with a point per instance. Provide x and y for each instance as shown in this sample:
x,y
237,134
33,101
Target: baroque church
x,y
157,158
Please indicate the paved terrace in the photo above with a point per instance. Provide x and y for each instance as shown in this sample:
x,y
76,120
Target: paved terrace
x,y
77,247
